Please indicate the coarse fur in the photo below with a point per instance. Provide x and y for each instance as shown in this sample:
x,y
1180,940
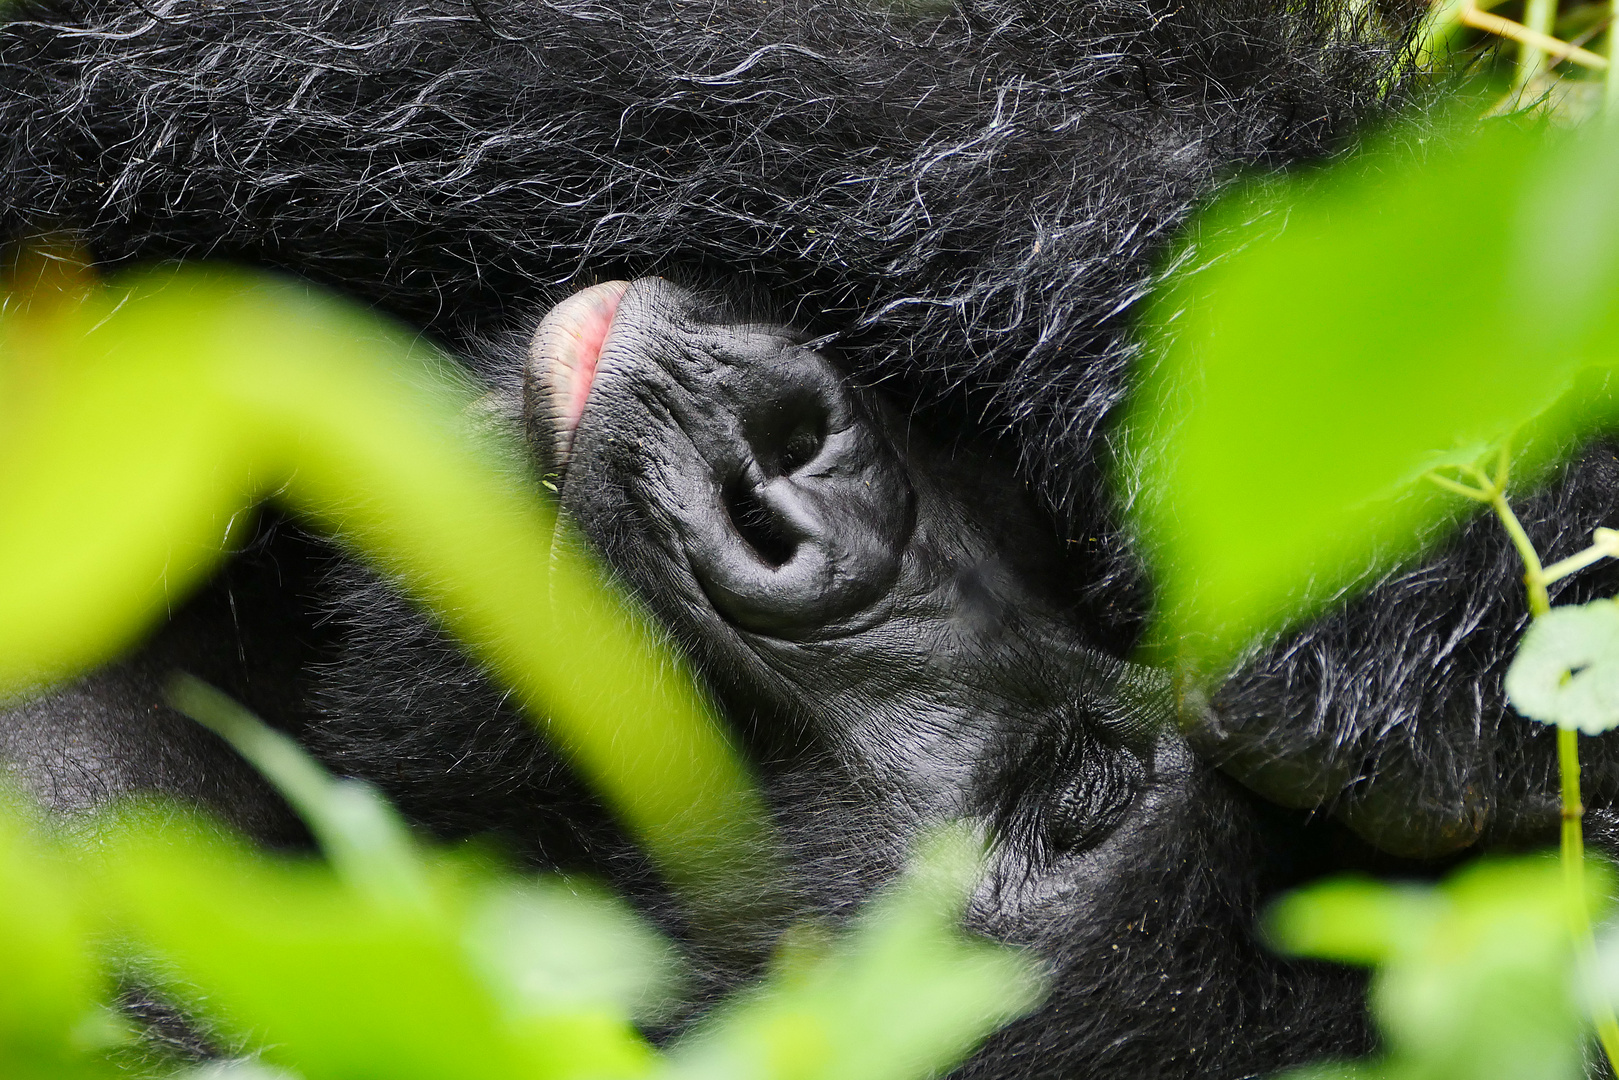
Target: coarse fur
x,y
970,200
972,197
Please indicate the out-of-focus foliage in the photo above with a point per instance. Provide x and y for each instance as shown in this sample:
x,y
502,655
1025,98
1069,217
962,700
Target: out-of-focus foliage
x,y
52,1020
140,421
1327,344
899,993
403,961
1474,977
1547,58
1333,337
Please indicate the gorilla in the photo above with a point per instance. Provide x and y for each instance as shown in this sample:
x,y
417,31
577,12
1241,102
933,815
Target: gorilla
x,y
835,403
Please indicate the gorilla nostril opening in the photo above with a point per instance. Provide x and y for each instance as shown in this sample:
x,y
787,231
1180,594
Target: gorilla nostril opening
x,y
759,528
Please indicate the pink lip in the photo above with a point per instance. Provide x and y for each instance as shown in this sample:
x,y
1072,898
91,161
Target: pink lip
x,y
565,351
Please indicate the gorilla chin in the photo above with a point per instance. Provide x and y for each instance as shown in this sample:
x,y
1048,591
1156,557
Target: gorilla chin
x,y
886,624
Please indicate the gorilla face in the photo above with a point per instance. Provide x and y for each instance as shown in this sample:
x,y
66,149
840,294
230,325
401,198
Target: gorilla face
x,y
886,623
793,530
894,634
830,569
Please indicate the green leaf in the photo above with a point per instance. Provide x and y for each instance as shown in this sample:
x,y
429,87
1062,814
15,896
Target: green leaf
x,y
903,996
566,966
1475,977
1566,671
367,842
1352,920
53,1018
1331,338
323,980
552,945
244,1069
138,423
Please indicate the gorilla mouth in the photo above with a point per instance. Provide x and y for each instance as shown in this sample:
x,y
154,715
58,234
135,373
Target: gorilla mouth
x,y
562,358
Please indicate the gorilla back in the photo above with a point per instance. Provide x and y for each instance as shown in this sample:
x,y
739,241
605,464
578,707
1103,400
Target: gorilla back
x,y
972,195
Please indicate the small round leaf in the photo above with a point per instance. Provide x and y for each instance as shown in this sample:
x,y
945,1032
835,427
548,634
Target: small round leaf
x,y
1567,668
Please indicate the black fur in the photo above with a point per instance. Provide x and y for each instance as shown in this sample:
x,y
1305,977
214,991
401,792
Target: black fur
x,y
972,198
971,201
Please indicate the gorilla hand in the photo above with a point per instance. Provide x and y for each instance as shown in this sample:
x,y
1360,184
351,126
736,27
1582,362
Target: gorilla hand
x,y
1389,712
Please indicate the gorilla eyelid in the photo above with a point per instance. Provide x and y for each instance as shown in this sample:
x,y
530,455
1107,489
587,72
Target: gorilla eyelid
x,y
802,445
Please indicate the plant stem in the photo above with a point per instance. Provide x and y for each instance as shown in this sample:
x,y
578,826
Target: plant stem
x,y
1534,577
1579,914
1539,16
1568,768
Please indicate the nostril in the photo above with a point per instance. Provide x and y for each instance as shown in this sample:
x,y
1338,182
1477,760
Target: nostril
x,y
759,528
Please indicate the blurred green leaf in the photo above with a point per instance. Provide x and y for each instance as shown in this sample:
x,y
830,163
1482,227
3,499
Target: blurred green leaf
x,y
501,978
904,995
1475,977
565,966
236,1070
363,837
53,1016
1566,671
497,977
551,945
331,984
140,420
1332,337
1355,920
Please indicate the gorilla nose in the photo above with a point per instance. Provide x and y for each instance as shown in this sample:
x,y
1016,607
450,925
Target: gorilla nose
x,y
813,507
731,441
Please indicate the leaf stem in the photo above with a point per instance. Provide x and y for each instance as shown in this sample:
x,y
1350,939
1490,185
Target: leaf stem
x,y
1603,546
1458,488
1568,767
1534,577
1579,914
1538,16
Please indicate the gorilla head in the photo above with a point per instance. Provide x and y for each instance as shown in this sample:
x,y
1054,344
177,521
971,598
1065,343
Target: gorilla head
x,y
844,582
889,626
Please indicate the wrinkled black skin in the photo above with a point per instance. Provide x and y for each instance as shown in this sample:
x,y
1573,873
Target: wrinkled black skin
x,y
972,200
